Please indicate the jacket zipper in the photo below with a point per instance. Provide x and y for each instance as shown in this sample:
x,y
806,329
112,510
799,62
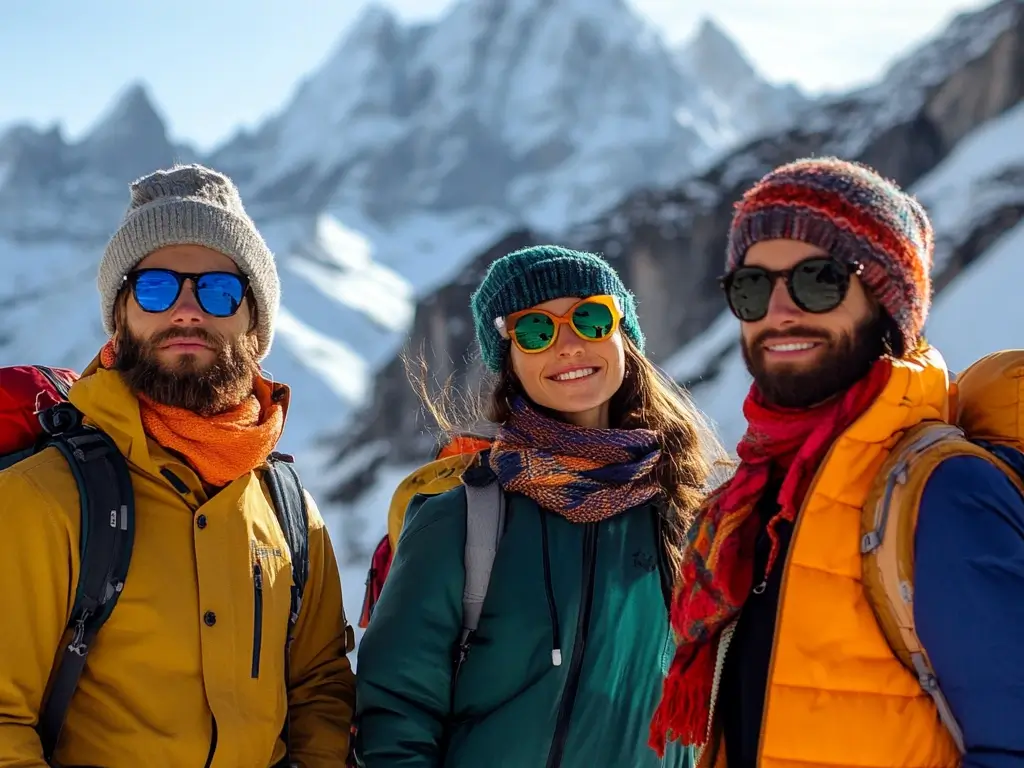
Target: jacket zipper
x,y
213,743
727,633
716,681
572,679
257,620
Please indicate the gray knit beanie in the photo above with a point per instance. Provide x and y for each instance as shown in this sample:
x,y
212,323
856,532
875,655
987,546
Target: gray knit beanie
x,y
191,205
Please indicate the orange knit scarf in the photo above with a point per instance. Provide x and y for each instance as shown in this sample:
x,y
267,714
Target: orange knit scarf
x,y
219,448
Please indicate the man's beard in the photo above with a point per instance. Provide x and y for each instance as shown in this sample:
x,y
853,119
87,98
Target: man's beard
x,y
846,359
204,389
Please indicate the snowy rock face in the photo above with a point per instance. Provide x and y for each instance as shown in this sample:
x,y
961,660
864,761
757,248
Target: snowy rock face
x,y
549,111
942,123
743,103
410,150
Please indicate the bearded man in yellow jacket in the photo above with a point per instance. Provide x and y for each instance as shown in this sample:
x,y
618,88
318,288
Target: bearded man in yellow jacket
x,y
194,666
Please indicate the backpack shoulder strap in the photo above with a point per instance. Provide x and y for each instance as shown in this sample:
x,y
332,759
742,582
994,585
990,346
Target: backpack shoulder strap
x,y
107,535
485,523
289,502
888,524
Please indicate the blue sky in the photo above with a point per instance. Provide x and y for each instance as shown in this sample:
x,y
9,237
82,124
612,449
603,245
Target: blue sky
x,y
214,65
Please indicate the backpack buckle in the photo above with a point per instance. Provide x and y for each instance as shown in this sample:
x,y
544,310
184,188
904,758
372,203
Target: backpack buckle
x,y
60,419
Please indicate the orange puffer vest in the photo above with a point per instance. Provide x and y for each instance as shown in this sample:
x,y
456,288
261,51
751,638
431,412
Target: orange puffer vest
x,y
837,695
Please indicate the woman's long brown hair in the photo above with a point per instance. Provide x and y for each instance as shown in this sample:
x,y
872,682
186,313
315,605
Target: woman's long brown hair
x,y
647,399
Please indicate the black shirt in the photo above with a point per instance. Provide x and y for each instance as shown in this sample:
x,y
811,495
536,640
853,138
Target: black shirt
x,y
745,674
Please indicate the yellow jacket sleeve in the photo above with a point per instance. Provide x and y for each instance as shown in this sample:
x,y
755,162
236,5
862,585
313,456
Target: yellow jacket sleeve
x,y
321,690
37,566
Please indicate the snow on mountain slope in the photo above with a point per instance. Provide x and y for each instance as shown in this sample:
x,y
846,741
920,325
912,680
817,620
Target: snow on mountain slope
x,y
546,112
979,312
408,151
981,176
344,311
743,104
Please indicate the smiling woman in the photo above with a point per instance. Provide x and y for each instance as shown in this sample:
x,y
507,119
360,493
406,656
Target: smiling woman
x,y
601,462
569,373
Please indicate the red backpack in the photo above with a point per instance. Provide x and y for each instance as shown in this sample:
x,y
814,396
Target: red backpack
x,y
25,392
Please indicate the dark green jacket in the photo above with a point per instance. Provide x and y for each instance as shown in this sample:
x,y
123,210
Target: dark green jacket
x,y
595,591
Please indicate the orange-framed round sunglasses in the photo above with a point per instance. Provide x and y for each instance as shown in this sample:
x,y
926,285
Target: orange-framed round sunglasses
x,y
594,318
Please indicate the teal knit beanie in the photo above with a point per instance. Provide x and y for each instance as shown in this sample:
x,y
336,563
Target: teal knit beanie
x,y
531,276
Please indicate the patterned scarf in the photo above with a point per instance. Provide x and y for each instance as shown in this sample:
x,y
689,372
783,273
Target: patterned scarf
x,y
585,475
717,569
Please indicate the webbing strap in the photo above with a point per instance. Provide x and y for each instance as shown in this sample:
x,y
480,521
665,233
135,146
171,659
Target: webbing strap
x,y
106,539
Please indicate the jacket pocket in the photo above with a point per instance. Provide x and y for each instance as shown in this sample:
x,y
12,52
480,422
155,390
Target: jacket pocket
x,y
257,617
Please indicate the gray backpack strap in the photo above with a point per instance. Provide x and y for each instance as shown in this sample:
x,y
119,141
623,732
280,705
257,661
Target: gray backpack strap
x,y
485,523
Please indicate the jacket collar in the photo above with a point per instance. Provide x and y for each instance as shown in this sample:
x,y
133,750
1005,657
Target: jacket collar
x,y
107,403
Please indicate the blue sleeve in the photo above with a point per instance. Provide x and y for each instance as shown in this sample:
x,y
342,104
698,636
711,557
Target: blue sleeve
x,y
969,604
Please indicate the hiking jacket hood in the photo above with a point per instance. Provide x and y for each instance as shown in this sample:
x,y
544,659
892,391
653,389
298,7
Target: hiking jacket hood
x,y
594,591
189,668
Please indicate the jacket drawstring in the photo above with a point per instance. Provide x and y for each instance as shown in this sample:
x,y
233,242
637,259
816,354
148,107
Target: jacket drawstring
x,y
556,635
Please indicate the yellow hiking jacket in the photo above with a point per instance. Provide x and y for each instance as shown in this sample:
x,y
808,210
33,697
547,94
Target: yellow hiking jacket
x,y
182,673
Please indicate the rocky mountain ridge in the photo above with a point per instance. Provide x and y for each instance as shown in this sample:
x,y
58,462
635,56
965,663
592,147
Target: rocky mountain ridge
x,y
408,150
668,243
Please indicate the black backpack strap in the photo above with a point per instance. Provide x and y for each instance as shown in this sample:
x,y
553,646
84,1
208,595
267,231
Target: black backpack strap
x,y
661,510
289,502
105,545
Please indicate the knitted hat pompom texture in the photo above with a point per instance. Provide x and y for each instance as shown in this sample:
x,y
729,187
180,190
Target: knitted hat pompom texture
x,y
191,205
856,215
531,276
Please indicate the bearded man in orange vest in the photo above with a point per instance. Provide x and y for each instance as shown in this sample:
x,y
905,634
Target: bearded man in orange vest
x,y
781,659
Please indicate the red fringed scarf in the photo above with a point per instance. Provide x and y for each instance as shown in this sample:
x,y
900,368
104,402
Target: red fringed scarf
x,y
717,568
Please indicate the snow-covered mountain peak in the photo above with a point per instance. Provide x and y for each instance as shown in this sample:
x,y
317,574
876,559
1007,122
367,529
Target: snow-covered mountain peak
x,y
714,57
543,111
374,17
535,72
129,140
742,102
131,108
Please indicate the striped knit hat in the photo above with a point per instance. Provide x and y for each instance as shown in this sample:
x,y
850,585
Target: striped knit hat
x,y
857,216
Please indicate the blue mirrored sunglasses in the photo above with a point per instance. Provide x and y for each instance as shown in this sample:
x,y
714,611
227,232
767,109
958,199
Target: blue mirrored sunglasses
x,y
218,294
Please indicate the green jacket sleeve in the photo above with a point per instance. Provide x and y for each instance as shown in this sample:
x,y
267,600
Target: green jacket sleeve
x,y
403,680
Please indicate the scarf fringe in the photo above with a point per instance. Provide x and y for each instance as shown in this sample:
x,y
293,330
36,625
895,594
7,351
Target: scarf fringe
x,y
683,712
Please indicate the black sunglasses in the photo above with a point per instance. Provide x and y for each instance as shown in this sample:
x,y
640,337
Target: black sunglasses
x,y
817,285
219,294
